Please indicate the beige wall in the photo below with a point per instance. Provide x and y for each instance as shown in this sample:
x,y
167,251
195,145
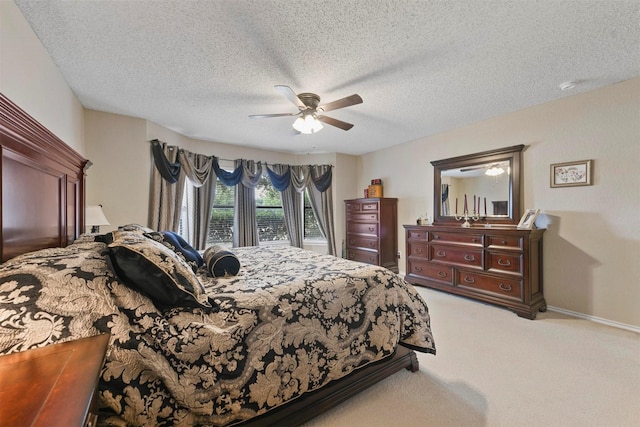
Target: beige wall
x,y
119,178
593,233
30,78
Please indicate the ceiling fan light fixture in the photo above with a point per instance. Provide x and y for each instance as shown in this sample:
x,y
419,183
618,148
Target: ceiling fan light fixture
x,y
494,170
307,124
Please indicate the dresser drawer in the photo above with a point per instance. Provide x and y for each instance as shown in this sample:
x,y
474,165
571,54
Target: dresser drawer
x,y
505,261
362,228
418,249
414,234
500,286
435,272
362,242
456,255
515,242
468,238
363,217
362,256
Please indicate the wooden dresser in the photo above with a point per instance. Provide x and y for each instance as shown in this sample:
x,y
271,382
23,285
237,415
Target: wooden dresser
x,y
54,385
372,231
498,265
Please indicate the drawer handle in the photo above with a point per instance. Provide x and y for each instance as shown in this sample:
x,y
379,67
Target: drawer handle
x,y
441,254
504,242
504,287
469,258
442,274
417,251
352,242
436,237
506,263
474,240
469,279
371,228
371,244
372,217
416,268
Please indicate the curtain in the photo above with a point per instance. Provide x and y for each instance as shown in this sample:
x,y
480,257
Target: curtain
x,y
322,203
166,195
245,224
291,202
201,192
445,199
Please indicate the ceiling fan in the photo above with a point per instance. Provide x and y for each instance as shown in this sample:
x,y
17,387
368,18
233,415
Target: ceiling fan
x,y
493,169
310,112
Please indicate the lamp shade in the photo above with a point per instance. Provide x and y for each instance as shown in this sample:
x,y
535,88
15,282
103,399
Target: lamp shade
x,y
94,217
307,124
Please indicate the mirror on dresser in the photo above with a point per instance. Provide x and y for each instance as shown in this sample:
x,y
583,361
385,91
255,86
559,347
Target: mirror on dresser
x,y
492,177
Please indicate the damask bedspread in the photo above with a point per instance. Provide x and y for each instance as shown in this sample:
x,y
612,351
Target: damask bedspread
x,y
290,322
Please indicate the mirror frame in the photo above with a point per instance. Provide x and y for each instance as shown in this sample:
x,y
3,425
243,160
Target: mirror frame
x,y
512,154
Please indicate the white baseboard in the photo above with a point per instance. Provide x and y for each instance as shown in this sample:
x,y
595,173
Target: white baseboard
x,y
596,319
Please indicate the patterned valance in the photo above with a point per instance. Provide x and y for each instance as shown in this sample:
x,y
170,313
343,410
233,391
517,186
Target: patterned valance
x,y
199,171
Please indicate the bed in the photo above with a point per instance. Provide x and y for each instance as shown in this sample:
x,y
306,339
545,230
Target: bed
x,y
291,335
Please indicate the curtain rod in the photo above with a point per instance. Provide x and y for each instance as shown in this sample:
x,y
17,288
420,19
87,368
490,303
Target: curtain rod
x,y
231,160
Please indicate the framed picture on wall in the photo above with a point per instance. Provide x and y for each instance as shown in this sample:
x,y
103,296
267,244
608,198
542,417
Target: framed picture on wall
x,y
571,174
528,219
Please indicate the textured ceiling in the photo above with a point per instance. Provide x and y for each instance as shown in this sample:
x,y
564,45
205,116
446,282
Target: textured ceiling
x,y
422,67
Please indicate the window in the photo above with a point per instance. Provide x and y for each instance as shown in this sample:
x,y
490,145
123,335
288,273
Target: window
x,y
269,213
221,221
311,228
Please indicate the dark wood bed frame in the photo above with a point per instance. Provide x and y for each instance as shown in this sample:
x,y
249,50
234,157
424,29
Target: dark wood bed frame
x,y
43,198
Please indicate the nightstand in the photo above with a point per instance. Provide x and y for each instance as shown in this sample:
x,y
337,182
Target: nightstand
x,y
54,385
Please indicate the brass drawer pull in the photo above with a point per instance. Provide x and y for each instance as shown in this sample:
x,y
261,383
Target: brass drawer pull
x,y
417,251
474,240
441,254
416,268
469,279
372,229
436,237
469,258
371,244
504,287
442,274
506,263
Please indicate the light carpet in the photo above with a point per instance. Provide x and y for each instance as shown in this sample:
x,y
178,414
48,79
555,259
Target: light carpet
x,y
494,368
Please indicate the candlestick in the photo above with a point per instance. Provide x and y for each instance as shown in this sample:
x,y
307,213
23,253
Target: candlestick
x,y
485,206
456,206
466,217
465,210
478,205
474,203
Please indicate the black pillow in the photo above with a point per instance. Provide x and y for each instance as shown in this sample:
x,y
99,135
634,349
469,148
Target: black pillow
x,y
221,262
156,271
176,243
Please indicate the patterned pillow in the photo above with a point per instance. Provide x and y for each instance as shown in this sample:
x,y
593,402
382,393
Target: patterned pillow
x,y
220,261
136,227
176,243
155,271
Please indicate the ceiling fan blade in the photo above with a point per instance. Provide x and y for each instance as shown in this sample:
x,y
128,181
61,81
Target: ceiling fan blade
x,y
288,93
335,122
341,103
266,116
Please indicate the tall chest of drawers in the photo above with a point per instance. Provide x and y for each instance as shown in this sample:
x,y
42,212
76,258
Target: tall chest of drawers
x,y
372,231
498,265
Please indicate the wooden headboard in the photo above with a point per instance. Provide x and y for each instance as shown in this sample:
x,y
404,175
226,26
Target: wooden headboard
x,y
42,185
